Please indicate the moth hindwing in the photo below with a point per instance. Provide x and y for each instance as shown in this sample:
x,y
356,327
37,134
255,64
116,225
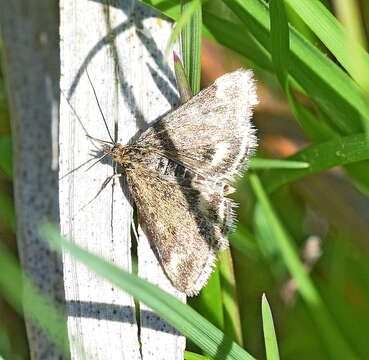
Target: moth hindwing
x,y
179,171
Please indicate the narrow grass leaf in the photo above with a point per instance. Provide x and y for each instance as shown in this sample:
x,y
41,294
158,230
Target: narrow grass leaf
x,y
184,89
270,338
191,44
317,128
260,163
333,340
181,23
243,241
280,55
232,321
191,324
280,48
330,31
323,80
284,243
34,304
209,302
349,13
192,356
236,37
322,156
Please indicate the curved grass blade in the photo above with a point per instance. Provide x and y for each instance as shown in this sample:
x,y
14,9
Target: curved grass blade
x,y
329,30
332,337
322,156
34,305
324,81
236,37
280,51
181,316
358,59
184,19
317,129
232,321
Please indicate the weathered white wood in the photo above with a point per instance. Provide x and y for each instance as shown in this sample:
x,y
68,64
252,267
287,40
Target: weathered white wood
x,y
158,338
29,30
121,46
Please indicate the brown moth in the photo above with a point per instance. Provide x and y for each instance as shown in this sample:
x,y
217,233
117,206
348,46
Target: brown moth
x,y
181,168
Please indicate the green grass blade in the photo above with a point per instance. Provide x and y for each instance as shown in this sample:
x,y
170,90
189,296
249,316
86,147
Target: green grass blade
x,y
260,163
321,79
192,356
185,18
284,244
333,339
324,81
280,55
237,38
184,89
186,320
209,302
329,30
279,41
322,156
270,338
232,322
317,128
358,59
243,241
35,305
191,45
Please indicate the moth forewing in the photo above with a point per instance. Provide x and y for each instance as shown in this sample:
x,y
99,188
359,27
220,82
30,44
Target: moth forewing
x,y
179,171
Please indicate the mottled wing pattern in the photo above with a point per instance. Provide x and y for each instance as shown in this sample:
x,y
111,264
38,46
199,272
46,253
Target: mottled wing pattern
x,y
184,223
211,133
185,163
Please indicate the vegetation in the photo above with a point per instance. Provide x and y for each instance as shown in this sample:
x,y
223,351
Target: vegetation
x,y
303,230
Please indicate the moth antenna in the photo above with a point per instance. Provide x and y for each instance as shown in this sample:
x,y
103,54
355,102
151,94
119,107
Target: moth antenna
x,y
98,104
78,117
100,141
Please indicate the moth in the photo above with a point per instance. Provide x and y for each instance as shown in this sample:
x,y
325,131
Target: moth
x,y
180,170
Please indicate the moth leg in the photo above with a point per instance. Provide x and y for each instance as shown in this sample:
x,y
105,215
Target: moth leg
x,y
133,225
75,169
83,164
103,186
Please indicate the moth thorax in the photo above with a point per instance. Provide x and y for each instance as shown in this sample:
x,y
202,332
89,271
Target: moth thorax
x,y
119,153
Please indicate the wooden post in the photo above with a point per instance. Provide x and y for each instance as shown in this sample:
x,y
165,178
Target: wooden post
x,y
121,46
31,57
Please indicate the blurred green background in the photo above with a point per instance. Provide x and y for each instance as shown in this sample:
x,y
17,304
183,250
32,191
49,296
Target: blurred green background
x,y
302,234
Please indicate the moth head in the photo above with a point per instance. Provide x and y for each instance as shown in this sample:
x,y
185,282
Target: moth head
x,y
118,152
